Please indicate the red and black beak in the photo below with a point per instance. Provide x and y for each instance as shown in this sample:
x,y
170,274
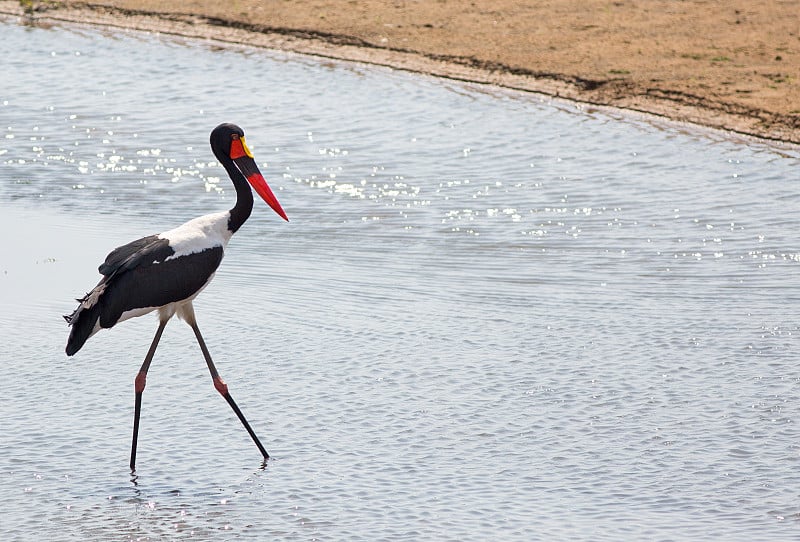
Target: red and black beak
x,y
244,160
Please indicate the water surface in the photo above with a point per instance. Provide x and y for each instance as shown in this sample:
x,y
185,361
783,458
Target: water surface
x,y
492,315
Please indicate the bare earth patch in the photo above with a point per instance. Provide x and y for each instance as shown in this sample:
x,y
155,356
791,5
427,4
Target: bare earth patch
x,y
732,65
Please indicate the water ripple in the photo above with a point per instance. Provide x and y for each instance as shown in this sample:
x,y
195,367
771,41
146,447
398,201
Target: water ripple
x,y
491,315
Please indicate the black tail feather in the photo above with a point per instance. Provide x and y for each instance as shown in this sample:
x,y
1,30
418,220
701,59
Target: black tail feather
x,y
82,322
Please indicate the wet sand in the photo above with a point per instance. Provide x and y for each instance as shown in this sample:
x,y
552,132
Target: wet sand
x,y
728,65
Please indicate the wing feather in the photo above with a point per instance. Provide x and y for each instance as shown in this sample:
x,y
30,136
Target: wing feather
x,y
139,275
157,284
144,251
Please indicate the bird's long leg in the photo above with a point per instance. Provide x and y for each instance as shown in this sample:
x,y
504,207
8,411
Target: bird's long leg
x,y
139,384
220,384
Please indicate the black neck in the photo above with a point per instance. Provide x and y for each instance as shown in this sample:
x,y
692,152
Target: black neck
x,y
244,198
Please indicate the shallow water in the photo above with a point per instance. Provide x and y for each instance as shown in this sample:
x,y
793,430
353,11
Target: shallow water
x,y
492,316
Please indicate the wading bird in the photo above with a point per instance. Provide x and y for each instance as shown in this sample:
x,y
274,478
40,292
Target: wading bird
x,y
165,272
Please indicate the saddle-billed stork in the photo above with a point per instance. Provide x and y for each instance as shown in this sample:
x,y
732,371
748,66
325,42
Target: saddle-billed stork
x,y
165,272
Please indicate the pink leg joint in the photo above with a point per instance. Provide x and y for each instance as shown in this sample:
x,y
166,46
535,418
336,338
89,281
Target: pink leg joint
x,y
140,382
221,386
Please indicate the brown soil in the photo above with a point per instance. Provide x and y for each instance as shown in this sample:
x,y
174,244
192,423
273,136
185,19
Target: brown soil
x,y
730,64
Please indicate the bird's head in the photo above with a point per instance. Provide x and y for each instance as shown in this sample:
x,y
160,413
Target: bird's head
x,y
229,146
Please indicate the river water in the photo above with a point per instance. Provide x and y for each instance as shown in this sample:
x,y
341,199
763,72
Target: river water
x,y
493,316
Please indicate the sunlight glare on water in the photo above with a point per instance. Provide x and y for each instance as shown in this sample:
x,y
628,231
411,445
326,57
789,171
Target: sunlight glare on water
x,y
491,317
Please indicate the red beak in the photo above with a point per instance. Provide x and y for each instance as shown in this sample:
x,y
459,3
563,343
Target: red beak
x,y
250,170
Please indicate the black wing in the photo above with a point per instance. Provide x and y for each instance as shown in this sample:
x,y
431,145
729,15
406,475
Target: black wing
x,y
144,251
150,283
139,275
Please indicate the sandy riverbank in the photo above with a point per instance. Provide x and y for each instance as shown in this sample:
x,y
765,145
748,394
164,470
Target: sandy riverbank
x,y
732,65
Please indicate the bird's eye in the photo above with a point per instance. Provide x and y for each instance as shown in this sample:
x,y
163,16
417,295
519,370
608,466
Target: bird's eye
x,y
234,136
